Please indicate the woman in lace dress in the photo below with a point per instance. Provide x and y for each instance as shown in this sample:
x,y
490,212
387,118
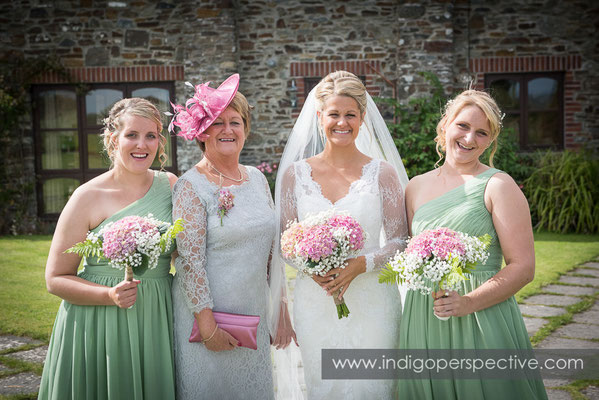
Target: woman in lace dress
x,y
223,253
335,158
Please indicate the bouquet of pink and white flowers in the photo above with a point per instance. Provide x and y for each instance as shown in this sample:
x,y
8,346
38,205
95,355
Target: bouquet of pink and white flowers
x,y
439,257
130,242
322,242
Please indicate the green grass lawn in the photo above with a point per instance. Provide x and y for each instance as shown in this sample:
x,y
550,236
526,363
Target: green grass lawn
x,y
26,308
556,254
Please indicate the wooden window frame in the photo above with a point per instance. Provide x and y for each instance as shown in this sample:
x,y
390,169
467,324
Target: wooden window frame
x,y
523,79
83,173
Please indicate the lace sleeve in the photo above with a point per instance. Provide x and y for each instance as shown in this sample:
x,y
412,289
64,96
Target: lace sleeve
x,y
191,244
394,218
288,204
271,203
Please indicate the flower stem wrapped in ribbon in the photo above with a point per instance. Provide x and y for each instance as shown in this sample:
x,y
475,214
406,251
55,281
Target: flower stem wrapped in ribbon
x,y
439,256
322,242
130,242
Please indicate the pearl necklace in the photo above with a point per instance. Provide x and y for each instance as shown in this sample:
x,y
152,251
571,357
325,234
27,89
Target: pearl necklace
x,y
241,177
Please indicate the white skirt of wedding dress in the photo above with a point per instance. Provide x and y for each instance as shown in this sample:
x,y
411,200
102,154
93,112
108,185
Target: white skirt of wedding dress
x,y
373,323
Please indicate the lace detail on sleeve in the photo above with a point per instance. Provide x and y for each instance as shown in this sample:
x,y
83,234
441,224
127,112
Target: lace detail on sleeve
x,y
394,218
191,244
288,204
271,204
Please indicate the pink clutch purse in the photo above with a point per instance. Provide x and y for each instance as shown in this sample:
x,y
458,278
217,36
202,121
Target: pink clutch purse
x,y
244,328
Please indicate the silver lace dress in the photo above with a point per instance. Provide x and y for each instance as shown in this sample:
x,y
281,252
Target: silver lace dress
x,y
223,268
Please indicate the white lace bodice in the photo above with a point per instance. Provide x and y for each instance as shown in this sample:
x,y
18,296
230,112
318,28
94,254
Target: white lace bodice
x,y
376,201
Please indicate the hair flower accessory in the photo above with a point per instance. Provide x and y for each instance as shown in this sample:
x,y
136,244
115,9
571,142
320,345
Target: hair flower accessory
x,y
202,109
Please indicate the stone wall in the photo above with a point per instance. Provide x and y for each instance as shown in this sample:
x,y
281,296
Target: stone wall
x,y
278,45
534,36
425,43
274,35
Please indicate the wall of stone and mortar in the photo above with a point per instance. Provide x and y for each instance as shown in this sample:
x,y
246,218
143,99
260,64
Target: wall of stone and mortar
x,y
538,30
265,40
273,35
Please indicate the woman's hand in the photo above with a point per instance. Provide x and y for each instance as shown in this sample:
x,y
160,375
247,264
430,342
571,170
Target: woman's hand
x,y
218,339
285,330
124,294
452,305
340,278
221,341
321,280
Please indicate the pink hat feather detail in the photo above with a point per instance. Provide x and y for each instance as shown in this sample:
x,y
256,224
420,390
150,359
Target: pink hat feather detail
x,y
202,109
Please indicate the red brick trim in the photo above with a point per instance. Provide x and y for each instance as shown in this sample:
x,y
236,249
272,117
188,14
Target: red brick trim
x,y
568,64
526,64
301,70
141,73
322,68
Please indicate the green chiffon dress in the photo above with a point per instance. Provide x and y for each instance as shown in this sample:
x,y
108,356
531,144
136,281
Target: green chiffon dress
x,y
498,327
107,352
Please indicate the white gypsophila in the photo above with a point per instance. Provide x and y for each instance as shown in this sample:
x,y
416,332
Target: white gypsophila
x,y
418,273
93,237
146,243
475,249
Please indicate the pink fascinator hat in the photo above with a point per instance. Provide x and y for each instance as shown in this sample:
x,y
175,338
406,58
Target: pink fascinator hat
x,y
201,110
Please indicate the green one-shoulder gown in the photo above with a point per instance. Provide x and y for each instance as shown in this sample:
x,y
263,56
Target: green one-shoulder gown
x,y
498,327
107,352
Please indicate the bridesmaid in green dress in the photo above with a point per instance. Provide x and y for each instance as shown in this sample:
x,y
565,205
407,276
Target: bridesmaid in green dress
x,y
100,348
468,196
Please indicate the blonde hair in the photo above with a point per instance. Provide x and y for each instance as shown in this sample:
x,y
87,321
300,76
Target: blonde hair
x,y
467,98
341,83
243,108
114,123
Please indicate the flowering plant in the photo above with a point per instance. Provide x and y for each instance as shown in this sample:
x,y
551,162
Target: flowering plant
x,y
130,242
225,203
322,242
270,172
439,256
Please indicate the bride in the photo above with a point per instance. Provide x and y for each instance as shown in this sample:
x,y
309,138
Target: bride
x,y
340,155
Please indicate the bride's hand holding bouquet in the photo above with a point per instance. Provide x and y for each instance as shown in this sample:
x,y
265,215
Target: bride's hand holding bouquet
x,y
323,245
337,281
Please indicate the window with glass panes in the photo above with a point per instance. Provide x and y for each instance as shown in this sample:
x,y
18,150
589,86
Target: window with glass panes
x,y
533,107
68,143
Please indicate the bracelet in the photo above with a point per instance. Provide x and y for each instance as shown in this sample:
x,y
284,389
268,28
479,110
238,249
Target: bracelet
x,y
211,336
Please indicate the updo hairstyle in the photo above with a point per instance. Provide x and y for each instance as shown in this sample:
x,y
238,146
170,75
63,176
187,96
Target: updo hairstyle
x,y
467,98
114,123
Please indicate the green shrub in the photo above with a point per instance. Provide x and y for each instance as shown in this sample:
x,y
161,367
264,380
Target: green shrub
x,y
415,131
563,192
16,186
508,158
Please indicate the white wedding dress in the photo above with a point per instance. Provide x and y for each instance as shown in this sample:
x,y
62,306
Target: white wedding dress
x,y
376,201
